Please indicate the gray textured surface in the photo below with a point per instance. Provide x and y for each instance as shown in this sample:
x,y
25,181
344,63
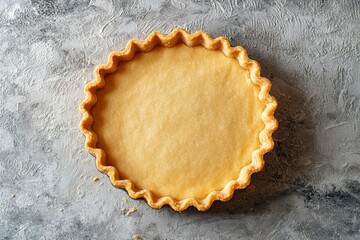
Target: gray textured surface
x,y
310,187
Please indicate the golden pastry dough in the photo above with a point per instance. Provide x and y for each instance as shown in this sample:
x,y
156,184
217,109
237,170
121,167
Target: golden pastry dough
x,y
179,119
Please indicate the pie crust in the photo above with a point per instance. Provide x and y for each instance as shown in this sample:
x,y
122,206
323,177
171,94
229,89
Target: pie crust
x,y
166,119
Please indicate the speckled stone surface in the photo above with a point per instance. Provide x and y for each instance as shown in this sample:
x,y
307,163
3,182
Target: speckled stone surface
x,y
310,186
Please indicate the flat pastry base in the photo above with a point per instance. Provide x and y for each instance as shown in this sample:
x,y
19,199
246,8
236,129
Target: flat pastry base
x,y
179,121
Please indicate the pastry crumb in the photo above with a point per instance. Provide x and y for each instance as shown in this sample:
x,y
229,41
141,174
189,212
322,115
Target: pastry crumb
x,y
124,199
61,209
13,195
95,179
102,183
136,236
81,176
131,211
251,188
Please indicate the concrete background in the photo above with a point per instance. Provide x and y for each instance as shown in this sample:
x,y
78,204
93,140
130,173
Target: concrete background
x,y
310,187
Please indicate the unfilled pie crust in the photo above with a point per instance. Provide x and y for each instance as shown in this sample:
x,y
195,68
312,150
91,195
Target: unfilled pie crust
x,y
179,119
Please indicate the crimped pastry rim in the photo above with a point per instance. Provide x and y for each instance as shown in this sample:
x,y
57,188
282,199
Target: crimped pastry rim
x,y
179,35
